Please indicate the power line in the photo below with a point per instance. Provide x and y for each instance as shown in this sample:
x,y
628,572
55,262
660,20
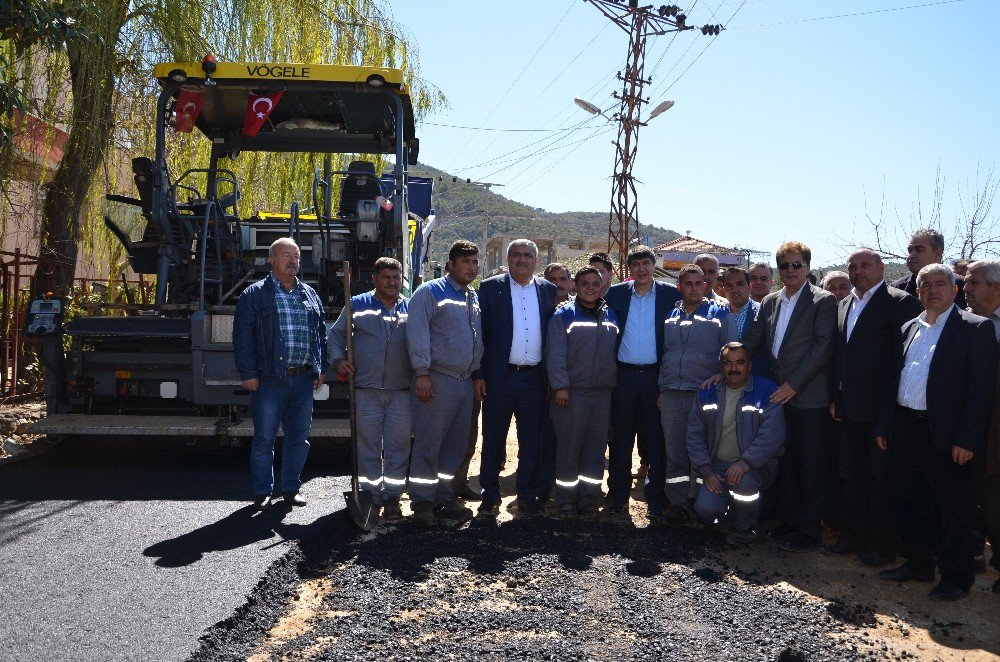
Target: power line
x,y
860,13
483,128
518,78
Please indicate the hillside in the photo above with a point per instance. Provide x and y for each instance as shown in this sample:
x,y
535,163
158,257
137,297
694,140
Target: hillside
x,y
462,208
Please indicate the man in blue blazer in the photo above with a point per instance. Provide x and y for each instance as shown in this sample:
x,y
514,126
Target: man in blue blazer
x,y
641,306
515,308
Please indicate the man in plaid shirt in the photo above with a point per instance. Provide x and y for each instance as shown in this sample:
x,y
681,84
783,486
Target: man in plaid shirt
x,y
279,343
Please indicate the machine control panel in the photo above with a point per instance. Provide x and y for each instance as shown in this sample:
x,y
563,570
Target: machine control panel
x,y
44,317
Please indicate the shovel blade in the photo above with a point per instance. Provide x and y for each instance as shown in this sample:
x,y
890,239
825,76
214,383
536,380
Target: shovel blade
x,y
361,509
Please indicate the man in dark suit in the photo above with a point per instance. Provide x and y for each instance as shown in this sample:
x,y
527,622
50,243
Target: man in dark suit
x,y
943,391
868,324
926,247
641,306
515,309
797,326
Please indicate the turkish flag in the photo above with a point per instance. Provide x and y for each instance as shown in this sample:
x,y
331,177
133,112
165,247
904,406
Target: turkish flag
x,y
259,108
187,109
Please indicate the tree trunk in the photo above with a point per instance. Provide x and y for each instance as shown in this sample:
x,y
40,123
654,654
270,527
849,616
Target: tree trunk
x,y
93,67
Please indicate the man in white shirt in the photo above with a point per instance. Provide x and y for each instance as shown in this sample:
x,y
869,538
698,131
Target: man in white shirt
x,y
944,388
869,319
797,326
511,383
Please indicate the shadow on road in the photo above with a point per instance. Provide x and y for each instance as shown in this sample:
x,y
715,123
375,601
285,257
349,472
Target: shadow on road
x,y
240,528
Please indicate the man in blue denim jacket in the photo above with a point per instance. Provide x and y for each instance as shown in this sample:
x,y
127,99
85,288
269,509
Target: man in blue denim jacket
x,y
279,343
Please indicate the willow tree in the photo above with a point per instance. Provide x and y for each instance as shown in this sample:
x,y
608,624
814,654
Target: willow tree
x,y
112,97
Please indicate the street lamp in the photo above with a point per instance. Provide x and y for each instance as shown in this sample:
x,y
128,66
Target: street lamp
x,y
661,108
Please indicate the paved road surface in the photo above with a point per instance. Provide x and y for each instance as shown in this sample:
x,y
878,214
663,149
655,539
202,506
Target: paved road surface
x,y
118,557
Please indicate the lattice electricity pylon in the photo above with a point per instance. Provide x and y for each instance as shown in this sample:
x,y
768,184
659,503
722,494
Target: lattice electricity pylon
x,y
639,23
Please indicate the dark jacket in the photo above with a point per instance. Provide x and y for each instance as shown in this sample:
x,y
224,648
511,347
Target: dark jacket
x,y
807,348
961,383
862,367
258,348
498,323
619,297
760,425
993,439
908,284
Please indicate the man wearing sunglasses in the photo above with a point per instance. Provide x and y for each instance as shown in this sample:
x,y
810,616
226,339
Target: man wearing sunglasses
x,y
797,326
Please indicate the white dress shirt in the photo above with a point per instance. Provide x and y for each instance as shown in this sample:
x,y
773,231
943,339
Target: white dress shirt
x,y
995,318
858,304
912,391
526,345
785,308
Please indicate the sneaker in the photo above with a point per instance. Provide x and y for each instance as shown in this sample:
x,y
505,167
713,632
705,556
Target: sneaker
x,y
741,538
391,512
423,513
450,510
262,502
294,498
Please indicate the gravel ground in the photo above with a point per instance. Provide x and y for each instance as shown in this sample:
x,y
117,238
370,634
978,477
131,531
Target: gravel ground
x,y
567,589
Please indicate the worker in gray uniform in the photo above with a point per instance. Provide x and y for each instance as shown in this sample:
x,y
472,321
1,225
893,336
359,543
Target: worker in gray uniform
x,y
382,375
445,341
582,344
693,333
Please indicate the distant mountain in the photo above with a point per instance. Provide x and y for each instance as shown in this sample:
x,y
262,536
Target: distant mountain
x,y
462,208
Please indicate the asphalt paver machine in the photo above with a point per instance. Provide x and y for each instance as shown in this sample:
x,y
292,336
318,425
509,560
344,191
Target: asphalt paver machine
x,y
169,370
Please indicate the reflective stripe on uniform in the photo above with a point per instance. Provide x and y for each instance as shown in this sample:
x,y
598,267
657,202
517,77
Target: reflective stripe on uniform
x,y
395,481
592,481
567,483
709,407
370,481
678,479
746,498
445,477
423,481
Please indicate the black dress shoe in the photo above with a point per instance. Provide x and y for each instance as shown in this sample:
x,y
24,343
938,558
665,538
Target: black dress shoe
x,y
780,532
294,499
488,509
799,542
945,591
469,494
905,573
839,548
262,502
875,559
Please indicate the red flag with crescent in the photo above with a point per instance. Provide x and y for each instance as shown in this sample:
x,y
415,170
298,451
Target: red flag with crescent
x,y
259,108
187,109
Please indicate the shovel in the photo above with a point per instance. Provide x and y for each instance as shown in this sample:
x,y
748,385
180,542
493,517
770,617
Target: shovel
x,y
363,512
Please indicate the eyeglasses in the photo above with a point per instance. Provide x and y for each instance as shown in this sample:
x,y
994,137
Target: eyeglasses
x,y
785,266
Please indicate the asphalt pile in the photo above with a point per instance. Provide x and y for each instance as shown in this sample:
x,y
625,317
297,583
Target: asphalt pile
x,y
535,589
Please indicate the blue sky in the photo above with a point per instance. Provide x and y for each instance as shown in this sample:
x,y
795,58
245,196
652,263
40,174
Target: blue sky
x,y
779,132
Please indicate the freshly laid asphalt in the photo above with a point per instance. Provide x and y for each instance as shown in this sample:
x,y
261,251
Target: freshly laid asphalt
x,y
128,554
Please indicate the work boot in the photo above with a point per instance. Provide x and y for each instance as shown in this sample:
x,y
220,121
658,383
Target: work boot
x,y
450,510
423,513
391,512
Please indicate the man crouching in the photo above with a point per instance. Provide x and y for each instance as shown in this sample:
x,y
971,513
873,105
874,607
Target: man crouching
x,y
734,438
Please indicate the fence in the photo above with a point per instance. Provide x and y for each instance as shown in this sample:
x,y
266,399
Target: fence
x,y
89,295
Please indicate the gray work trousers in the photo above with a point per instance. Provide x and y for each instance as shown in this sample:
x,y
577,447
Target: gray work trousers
x,y
581,439
383,426
675,406
440,438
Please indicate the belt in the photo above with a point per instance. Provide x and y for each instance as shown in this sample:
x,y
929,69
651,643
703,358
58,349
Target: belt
x,y
639,368
521,368
916,413
298,370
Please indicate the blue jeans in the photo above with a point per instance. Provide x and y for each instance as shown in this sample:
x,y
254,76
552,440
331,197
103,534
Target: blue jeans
x,y
288,402
740,502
